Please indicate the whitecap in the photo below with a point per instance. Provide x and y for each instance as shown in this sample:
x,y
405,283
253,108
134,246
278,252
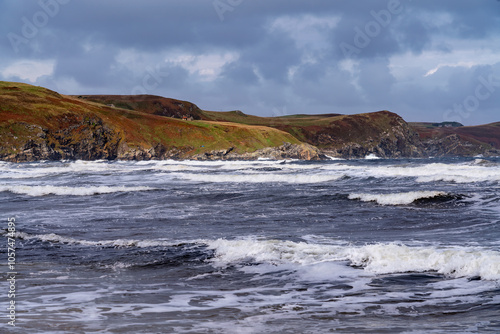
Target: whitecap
x,y
397,198
372,156
261,178
380,258
68,191
118,243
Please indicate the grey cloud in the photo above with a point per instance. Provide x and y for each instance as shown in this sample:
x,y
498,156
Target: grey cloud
x,y
272,71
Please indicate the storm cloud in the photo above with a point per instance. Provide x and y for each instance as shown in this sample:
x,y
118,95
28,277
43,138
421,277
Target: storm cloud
x,y
425,60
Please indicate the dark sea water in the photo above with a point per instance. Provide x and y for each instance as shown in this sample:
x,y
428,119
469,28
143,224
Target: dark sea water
x,y
360,246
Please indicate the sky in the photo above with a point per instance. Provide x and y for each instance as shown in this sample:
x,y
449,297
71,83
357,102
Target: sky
x,y
426,60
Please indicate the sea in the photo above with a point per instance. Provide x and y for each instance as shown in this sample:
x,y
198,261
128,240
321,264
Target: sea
x,y
337,246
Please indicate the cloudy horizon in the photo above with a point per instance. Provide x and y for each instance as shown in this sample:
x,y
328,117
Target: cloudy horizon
x,y
424,60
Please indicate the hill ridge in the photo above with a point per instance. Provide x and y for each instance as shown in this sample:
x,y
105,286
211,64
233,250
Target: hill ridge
x,y
37,123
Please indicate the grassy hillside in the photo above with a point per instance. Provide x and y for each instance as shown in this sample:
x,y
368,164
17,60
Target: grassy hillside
x,y
149,104
459,140
383,133
35,121
332,132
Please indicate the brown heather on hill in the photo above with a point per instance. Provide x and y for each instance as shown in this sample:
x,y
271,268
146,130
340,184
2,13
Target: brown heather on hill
x,y
459,141
149,104
348,136
39,124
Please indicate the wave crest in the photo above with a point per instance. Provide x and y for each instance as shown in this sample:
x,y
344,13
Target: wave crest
x,y
400,198
68,191
377,258
261,178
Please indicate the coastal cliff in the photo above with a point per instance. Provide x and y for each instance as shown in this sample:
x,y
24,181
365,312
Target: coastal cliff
x,y
444,139
40,124
383,133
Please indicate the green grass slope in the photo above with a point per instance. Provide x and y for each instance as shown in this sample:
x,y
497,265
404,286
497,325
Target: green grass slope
x,y
149,104
37,123
383,133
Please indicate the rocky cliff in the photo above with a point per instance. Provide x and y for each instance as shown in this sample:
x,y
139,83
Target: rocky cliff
x,y
383,133
286,151
348,136
39,124
458,140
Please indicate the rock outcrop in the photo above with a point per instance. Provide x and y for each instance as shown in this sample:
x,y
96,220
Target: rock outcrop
x,y
461,141
285,151
39,124
383,134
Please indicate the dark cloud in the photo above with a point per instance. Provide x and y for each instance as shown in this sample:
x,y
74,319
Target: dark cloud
x,y
240,73
267,57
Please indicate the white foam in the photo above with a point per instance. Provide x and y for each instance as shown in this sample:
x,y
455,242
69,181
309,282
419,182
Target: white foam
x,y
450,261
397,198
470,172
119,243
68,191
424,173
261,178
372,156
379,258
333,158
37,170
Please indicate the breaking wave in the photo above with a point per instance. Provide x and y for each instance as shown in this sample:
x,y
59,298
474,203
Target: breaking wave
x,y
68,191
379,258
479,170
372,156
425,173
261,178
55,238
403,198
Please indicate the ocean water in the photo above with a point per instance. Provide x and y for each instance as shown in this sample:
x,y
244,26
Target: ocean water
x,y
358,246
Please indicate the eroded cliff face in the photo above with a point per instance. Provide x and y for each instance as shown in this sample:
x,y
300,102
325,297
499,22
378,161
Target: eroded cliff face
x,y
90,138
286,151
383,133
461,141
77,138
39,124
